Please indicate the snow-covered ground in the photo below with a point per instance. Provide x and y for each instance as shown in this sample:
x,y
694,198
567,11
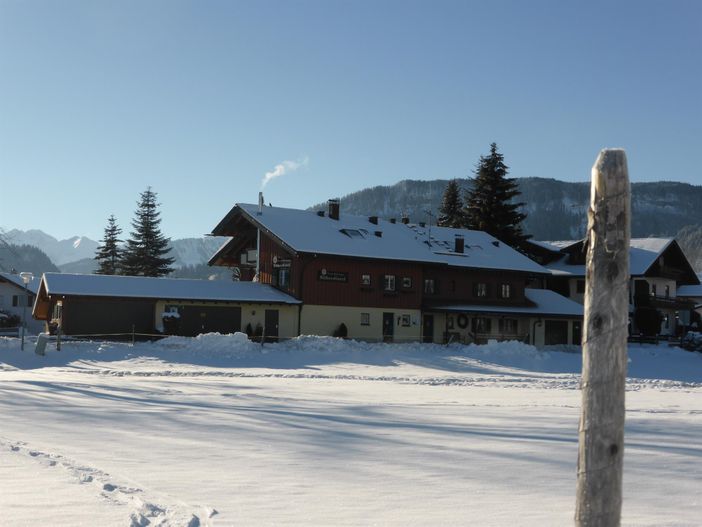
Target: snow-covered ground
x,y
316,431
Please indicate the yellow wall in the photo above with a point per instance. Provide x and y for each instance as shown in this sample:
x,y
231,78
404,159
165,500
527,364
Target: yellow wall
x,y
324,320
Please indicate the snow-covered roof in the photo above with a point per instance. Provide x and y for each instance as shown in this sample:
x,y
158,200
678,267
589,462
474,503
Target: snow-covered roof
x,y
643,253
556,244
690,291
355,236
15,279
162,288
548,303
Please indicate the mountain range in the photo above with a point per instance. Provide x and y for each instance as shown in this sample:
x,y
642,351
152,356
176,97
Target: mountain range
x,y
76,254
556,210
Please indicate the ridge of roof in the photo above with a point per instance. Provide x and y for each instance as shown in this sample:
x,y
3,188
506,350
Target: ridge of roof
x,y
356,236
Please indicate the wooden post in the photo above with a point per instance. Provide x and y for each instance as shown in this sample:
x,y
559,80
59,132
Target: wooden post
x,y
601,431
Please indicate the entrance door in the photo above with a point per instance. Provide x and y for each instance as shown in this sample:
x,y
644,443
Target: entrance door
x,y
271,329
388,326
556,332
428,328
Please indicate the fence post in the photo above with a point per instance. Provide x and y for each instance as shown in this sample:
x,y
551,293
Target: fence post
x,y
601,431
58,338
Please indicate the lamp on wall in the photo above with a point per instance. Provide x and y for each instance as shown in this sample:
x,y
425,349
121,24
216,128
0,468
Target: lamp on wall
x,y
26,277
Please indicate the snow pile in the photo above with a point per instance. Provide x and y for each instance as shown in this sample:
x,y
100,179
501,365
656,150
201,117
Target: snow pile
x,y
647,363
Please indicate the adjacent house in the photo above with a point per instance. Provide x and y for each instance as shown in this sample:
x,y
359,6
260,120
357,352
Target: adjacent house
x,y
118,306
394,280
17,300
661,278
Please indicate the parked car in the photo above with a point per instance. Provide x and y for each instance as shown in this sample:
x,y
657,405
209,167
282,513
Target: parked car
x,y
9,320
692,341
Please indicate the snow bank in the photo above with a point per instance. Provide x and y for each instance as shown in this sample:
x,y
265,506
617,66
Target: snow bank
x,y
212,350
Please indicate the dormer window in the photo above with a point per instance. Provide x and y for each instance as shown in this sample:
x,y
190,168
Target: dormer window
x,y
481,289
354,233
505,291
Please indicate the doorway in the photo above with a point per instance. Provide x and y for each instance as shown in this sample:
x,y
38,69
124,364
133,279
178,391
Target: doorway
x,y
428,328
388,327
271,325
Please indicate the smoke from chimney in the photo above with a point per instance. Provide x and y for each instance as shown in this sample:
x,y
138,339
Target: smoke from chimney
x,y
283,168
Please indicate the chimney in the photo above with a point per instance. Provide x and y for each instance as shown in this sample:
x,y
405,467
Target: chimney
x,y
373,219
496,243
260,203
379,234
333,205
459,244
405,219
393,220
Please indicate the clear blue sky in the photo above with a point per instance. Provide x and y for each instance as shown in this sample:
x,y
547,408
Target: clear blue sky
x,y
199,99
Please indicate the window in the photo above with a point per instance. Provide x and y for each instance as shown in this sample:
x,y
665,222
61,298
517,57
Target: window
x,y
653,289
481,289
389,282
508,326
366,279
2,300
284,278
30,300
365,319
15,301
667,291
505,291
429,286
482,325
580,287
406,320
354,233
406,282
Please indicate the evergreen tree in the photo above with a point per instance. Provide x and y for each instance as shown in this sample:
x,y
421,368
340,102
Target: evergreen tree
x,y
451,209
146,251
109,254
490,204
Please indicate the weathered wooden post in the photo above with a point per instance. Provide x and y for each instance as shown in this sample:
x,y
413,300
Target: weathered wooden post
x,y
601,432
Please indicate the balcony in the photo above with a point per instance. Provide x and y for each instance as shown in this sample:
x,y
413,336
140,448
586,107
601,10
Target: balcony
x,y
662,302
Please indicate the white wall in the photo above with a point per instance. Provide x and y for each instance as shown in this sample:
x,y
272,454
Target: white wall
x,y
7,291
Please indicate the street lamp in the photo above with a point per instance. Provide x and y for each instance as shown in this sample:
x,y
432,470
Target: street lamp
x,y
26,277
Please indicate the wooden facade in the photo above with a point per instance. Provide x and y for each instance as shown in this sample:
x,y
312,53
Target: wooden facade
x,y
371,294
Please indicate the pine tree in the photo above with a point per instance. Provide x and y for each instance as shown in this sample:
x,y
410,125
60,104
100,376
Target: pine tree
x,y
146,251
490,204
109,254
451,209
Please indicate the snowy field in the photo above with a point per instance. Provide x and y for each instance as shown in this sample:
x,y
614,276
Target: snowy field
x,y
315,431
